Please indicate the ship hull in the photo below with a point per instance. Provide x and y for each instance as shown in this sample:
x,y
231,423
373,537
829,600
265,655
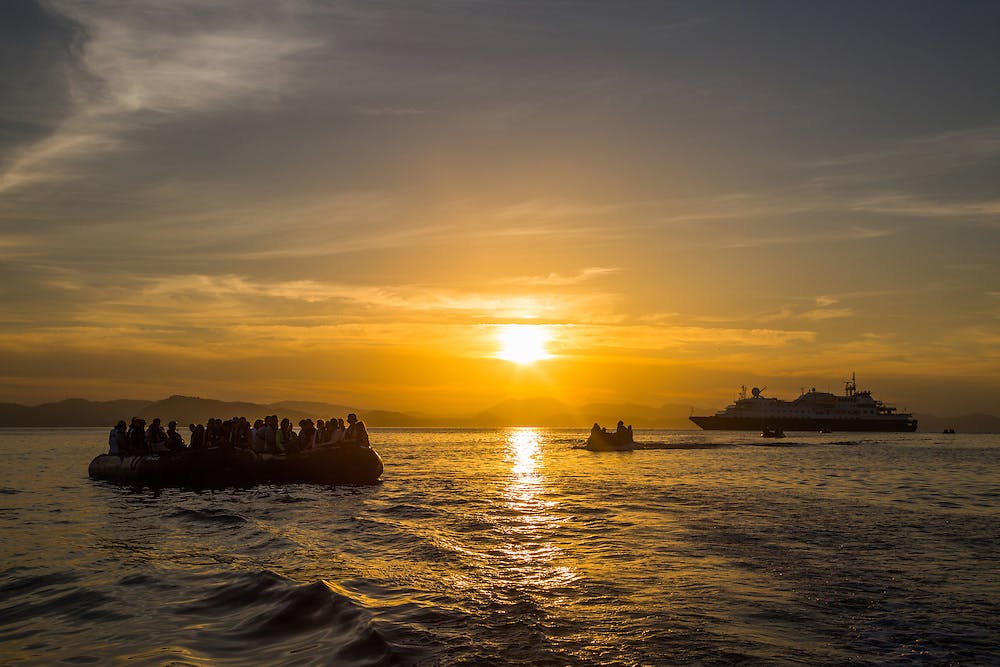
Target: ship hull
x,y
717,423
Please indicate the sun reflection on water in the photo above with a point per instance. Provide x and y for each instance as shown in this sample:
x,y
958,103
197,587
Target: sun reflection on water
x,y
532,521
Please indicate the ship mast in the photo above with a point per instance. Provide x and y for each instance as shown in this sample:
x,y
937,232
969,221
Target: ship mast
x,y
851,386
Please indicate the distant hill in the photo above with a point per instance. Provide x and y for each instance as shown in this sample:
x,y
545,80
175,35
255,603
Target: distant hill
x,y
189,409
313,408
554,413
520,412
71,412
525,412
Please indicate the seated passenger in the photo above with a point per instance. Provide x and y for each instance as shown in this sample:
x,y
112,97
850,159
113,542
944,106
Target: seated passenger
x,y
271,434
228,430
307,435
242,436
622,432
198,436
338,432
257,441
285,438
156,439
215,435
357,433
137,436
118,439
175,442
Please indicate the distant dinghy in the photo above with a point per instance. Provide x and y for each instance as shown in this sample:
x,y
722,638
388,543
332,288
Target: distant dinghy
x,y
348,464
602,441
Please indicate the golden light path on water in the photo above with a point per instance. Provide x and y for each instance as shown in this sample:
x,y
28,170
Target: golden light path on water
x,y
535,561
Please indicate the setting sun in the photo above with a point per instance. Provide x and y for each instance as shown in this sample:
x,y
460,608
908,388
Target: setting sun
x,y
523,343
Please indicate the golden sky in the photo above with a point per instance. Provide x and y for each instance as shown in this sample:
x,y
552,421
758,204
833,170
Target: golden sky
x,y
350,201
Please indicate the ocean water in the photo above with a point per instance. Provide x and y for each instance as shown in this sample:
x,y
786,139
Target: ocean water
x,y
515,547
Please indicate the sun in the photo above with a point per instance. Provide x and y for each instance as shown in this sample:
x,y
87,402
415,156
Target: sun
x,y
523,343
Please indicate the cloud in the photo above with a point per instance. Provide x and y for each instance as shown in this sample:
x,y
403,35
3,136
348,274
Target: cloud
x,y
901,203
826,314
36,48
558,280
394,111
134,72
955,146
807,235
204,299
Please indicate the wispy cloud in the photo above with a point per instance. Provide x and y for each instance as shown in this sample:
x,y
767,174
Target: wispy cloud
x,y
394,111
807,235
337,302
951,145
899,203
136,72
557,279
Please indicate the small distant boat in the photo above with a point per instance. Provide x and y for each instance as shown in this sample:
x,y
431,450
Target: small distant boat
x,y
616,441
949,431
772,432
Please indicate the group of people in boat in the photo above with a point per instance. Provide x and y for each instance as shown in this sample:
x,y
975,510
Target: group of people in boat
x,y
622,432
267,435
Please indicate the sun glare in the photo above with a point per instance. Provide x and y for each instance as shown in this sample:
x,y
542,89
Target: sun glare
x,y
523,343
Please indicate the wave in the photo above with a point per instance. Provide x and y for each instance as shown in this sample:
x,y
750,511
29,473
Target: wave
x,y
208,516
59,594
264,609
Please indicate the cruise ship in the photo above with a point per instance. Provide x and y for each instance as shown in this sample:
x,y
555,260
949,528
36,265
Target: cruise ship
x,y
812,411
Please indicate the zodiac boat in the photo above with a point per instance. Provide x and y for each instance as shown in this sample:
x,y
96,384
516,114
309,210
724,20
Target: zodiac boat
x,y
346,463
602,441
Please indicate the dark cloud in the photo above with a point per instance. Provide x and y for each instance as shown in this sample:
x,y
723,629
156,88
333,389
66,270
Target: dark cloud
x,y
38,58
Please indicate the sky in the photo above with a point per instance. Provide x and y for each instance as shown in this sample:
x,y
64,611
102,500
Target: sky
x,y
352,201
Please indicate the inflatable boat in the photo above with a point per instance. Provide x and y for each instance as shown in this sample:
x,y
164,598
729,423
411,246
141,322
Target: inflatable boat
x,y
602,441
224,466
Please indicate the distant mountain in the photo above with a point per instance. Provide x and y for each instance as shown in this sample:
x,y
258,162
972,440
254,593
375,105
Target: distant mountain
x,y
525,412
390,419
317,409
71,412
554,413
187,409
514,412
643,416
191,409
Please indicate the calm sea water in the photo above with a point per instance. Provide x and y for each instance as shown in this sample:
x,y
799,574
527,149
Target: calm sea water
x,y
514,547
